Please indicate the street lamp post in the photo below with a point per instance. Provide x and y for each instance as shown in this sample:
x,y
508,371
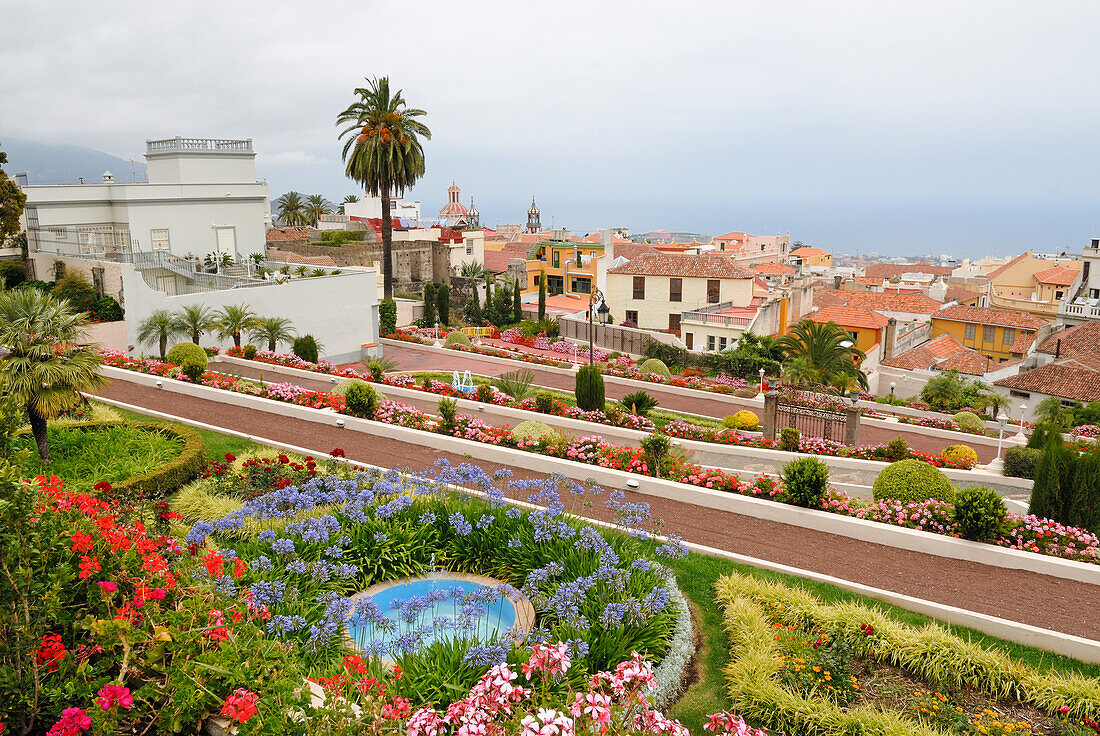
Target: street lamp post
x,y
1002,420
595,296
761,381
892,385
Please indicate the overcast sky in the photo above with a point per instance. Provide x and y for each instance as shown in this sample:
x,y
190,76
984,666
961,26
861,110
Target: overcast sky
x,y
958,127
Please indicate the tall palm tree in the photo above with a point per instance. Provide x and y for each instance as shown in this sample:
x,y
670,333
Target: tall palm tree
x,y
45,370
233,319
317,205
196,319
272,329
159,327
383,153
291,209
348,199
822,353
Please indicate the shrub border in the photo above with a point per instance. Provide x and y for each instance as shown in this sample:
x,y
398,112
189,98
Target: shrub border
x,y
930,652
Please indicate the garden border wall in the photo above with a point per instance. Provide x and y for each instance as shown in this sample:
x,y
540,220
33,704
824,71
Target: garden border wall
x,y
868,531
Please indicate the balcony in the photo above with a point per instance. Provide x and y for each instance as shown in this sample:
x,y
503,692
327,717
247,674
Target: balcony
x,y
193,145
725,314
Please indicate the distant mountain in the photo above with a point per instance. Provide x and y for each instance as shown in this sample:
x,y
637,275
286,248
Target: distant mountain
x,y
46,163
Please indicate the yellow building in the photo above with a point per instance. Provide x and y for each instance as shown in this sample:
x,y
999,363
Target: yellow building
x,y
1033,285
999,334
812,256
863,326
568,267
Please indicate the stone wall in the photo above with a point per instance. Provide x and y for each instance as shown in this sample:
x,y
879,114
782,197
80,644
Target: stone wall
x,y
415,262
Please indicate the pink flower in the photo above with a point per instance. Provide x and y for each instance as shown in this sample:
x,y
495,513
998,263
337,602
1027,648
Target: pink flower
x,y
71,723
109,695
158,594
108,586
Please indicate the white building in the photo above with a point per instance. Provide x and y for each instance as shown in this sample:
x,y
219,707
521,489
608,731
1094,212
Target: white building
x,y
202,198
371,207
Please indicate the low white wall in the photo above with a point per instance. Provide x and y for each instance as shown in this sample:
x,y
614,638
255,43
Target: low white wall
x,y
341,312
869,531
408,311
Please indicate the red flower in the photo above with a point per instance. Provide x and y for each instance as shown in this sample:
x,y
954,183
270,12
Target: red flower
x,y
230,457
337,452
239,566
214,563
102,486
88,565
108,586
111,694
81,542
50,651
240,705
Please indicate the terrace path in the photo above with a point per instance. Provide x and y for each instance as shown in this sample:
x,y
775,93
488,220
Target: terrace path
x,y
411,359
1027,597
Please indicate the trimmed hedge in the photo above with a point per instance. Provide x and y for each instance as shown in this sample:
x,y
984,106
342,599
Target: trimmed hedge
x,y
970,422
745,419
184,352
1020,462
456,338
980,513
912,481
751,606
655,365
960,452
531,430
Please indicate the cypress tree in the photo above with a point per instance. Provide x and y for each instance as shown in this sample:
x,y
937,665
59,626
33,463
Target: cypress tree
x,y
429,304
443,304
1053,481
589,388
542,297
517,308
1083,502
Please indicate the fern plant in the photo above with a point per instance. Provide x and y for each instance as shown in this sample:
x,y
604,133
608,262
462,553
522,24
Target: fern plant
x,y
639,403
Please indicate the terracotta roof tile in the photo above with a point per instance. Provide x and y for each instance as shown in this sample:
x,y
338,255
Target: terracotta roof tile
x,y
829,298
780,269
914,303
1080,340
497,261
895,270
1058,276
943,353
969,362
850,317
808,252
990,316
869,280
961,295
284,256
1022,343
709,266
1057,379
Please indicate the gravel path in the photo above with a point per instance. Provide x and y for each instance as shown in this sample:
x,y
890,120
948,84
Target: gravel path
x,y
1017,595
411,359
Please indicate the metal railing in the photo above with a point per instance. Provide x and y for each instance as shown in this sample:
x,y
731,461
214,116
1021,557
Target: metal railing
x,y
178,144
707,315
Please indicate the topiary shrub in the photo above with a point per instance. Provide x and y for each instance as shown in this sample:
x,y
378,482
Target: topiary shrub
x,y
456,338
341,389
184,351
968,421
980,513
193,369
655,365
249,351
305,347
531,430
360,400
589,388
897,450
1020,462
912,481
544,402
806,481
789,439
960,452
745,419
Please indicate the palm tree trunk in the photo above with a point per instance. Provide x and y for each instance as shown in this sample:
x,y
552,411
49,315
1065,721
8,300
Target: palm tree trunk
x,y
271,345
237,339
163,347
387,246
195,337
38,429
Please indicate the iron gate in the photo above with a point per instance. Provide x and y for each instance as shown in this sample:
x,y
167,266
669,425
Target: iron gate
x,y
811,421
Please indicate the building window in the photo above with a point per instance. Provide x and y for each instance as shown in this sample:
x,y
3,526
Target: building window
x,y
557,259
674,323
1058,295
1019,394
675,290
639,287
710,343
1007,336
721,344
582,286
58,232
469,248
632,317
159,239
989,333
713,287
971,332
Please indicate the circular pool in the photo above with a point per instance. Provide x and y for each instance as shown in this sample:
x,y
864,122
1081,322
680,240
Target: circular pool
x,y
436,607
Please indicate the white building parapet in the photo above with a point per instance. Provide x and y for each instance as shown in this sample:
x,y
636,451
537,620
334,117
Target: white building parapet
x,y
178,144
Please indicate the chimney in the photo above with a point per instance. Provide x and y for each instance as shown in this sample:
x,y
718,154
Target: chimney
x,y
837,281
890,339
1058,349
108,177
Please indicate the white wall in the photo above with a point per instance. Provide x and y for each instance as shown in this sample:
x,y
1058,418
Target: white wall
x,y
654,310
341,312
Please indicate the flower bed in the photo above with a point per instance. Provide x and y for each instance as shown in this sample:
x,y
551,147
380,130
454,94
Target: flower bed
x,y
784,678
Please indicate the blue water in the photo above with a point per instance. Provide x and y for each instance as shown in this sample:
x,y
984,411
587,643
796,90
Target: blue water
x,y
493,619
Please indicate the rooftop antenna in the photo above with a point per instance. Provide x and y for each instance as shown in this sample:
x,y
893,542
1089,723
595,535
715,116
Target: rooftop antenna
x,y
133,176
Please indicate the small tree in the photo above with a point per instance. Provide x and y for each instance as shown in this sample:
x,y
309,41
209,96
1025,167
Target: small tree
x,y
1053,481
542,297
232,320
517,307
472,311
443,304
1083,503
429,303
158,328
195,320
387,318
589,388
306,348
272,330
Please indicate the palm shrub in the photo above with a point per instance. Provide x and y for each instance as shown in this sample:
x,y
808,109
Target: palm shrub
x,y
821,353
387,318
45,368
443,304
516,384
232,320
589,388
361,400
980,513
639,403
306,348
195,320
806,481
913,481
271,330
159,327
380,366
187,351
1053,481
789,439
429,303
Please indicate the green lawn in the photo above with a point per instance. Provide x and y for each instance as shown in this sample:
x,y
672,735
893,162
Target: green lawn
x,y
217,444
83,457
697,574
